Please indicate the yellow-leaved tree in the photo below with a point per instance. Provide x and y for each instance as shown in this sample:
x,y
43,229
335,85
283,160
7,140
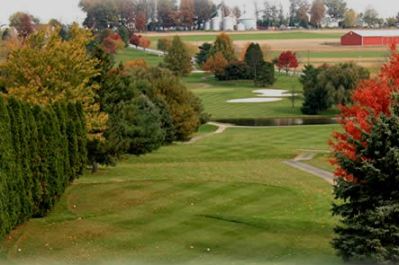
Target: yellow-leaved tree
x,y
46,68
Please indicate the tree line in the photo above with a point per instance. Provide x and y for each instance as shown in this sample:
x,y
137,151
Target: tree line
x,y
42,150
320,13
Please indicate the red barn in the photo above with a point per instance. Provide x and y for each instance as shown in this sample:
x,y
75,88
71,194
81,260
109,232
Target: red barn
x,y
370,38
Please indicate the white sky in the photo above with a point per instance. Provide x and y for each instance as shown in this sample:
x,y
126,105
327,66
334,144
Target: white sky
x,y
68,11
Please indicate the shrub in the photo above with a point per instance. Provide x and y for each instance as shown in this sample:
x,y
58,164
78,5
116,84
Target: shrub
x,y
202,56
235,71
164,44
265,75
215,64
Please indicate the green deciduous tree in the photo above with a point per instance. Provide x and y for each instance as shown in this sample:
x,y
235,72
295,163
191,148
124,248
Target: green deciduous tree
x,y
225,46
178,59
329,85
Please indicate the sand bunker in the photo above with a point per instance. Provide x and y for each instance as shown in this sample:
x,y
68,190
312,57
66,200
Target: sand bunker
x,y
254,100
271,93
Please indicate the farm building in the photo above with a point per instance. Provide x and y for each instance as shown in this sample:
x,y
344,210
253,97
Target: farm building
x,y
370,37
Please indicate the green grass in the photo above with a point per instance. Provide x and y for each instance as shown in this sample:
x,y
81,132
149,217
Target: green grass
x,y
227,199
215,94
132,54
260,36
321,161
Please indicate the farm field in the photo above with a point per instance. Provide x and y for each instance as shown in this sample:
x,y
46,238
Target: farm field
x,y
253,36
316,47
227,199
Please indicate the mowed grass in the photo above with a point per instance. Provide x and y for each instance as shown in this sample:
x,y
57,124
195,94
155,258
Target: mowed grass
x,y
215,94
295,35
227,199
129,54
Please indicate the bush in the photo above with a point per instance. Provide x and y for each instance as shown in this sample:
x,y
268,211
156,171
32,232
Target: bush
x,y
328,85
35,159
265,76
164,44
184,107
202,56
235,71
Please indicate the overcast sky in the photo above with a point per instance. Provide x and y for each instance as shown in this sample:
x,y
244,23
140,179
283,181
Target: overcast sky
x,y
68,10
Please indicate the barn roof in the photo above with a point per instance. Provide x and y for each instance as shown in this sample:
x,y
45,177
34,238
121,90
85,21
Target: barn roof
x,y
377,33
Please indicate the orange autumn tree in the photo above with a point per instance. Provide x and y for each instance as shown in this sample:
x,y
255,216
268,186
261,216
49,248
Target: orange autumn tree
x,y
215,64
366,157
46,69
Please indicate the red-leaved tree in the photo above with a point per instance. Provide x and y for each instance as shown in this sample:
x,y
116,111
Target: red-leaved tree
x,y
287,60
135,40
366,157
112,43
144,42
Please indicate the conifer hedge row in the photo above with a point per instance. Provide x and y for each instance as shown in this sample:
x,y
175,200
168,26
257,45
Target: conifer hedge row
x,y
42,150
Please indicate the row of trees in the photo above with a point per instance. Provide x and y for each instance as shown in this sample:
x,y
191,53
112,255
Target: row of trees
x,y
220,59
42,150
142,15
314,13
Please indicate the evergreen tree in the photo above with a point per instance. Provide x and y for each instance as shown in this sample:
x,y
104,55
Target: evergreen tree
x,y
254,59
20,185
265,75
178,59
366,151
34,157
316,97
202,56
72,132
54,163
81,137
60,111
7,165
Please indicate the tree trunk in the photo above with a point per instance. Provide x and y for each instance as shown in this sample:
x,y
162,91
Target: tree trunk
x,y
94,167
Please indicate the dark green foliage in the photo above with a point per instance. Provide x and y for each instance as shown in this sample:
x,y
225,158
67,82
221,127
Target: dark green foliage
x,y
369,206
124,33
204,51
81,134
138,126
328,85
7,171
254,59
265,75
72,133
22,170
317,98
34,164
235,71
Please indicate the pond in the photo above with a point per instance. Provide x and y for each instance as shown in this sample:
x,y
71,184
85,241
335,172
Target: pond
x,y
281,121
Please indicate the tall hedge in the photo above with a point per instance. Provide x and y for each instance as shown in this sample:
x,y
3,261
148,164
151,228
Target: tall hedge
x,y
35,151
